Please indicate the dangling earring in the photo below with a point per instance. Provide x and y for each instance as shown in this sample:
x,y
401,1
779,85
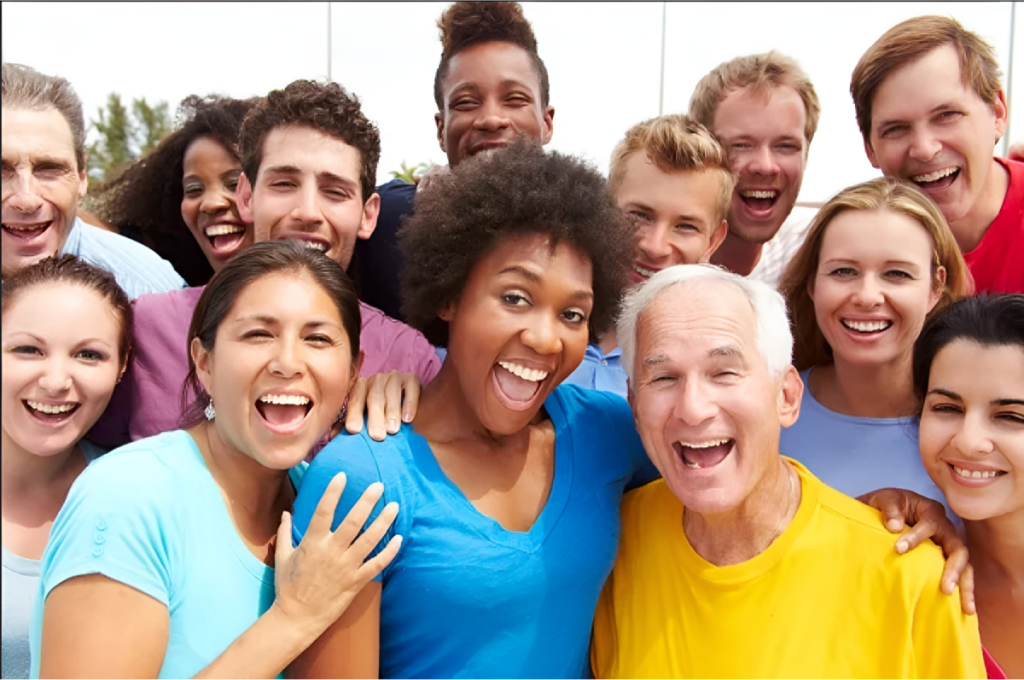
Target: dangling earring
x,y
341,414
209,411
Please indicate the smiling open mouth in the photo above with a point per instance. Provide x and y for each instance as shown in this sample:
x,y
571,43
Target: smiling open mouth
x,y
760,200
517,384
225,237
283,413
27,231
866,327
697,456
50,413
938,180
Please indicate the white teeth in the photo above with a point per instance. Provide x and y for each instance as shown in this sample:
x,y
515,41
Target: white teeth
x,y
531,374
316,245
933,176
50,408
26,227
975,474
759,194
646,273
286,399
222,229
705,445
867,326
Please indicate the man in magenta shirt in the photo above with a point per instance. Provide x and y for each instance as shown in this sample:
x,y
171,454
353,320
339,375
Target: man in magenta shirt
x,y
931,107
309,160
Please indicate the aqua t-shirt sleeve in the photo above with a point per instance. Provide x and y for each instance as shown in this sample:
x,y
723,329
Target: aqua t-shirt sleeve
x,y
617,416
115,523
357,456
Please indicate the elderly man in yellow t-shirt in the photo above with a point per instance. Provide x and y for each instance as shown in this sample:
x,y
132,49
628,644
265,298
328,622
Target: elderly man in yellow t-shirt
x,y
739,562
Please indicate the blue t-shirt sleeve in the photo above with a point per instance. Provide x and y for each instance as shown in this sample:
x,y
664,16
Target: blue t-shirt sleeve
x,y
117,521
618,418
355,456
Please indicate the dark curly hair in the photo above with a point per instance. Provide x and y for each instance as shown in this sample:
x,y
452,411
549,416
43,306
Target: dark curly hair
x,y
326,107
463,215
147,196
468,23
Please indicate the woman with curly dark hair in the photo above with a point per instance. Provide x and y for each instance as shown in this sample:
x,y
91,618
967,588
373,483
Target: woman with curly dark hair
x,y
509,482
187,183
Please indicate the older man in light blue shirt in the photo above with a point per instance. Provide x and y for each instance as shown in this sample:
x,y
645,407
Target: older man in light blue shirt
x,y
44,177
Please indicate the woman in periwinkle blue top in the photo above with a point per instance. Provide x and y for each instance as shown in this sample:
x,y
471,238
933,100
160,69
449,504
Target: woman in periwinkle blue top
x,y
878,260
171,556
66,336
509,483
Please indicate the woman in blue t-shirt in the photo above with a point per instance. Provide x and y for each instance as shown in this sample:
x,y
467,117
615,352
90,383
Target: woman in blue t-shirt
x,y
878,260
66,336
509,484
171,556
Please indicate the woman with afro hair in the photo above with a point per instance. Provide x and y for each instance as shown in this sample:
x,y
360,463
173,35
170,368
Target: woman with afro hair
x,y
508,482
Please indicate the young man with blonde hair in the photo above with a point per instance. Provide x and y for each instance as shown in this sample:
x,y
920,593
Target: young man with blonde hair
x,y
930,105
764,111
671,178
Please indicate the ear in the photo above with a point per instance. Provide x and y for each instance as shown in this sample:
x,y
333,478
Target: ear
x,y
791,393
548,125
717,237
871,154
243,196
439,122
371,210
357,366
938,288
1002,115
447,313
201,358
83,183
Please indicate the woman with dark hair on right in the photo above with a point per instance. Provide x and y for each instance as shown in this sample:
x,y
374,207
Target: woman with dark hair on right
x,y
969,374
171,556
187,184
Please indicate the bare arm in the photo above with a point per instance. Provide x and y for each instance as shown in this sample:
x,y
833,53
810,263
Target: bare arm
x,y
103,628
350,648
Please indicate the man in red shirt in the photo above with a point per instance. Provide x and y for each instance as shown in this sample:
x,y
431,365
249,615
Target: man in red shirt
x,y
931,107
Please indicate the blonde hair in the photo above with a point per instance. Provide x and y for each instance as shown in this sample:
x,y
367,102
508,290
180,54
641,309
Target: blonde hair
x,y
761,72
910,40
810,347
673,143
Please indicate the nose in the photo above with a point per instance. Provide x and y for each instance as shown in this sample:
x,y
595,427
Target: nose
x,y
21,192
541,334
491,117
694,405
214,201
653,243
287,360
972,439
305,210
56,379
924,146
762,161
869,292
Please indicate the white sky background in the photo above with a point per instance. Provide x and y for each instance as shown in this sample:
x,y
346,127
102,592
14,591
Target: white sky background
x,y
604,60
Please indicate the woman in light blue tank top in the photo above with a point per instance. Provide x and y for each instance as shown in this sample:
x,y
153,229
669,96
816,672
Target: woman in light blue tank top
x,y
66,336
878,260
171,556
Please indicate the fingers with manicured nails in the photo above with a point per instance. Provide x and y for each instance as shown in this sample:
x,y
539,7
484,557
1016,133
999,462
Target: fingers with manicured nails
x,y
376,399
412,398
356,517
393,401
356,405
284,549
967,590
320,522
374,566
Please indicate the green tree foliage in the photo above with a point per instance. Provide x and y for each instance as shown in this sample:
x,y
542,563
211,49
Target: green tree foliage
x,y
411,175
123,136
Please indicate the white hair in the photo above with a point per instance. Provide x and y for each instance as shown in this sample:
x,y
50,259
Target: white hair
x,y
773,336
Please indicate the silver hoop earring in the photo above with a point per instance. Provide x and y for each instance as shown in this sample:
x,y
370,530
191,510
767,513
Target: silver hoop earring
x,y
342,413
209,411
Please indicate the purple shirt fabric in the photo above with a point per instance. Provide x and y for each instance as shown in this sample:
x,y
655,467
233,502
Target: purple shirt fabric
x,y
148,399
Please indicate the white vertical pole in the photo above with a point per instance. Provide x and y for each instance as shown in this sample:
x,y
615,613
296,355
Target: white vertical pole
x,y
1007,140
661,86
329,42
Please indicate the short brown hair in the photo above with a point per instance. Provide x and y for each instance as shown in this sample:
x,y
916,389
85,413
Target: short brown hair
x,y
884,193
761,72
324,107
72,271
26,88
910,40
467,23
675,142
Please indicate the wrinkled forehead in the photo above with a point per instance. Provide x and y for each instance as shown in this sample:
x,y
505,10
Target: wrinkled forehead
x,y
697,314
39,130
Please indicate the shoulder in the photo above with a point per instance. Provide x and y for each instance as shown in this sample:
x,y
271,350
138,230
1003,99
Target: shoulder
x,y
390,345
138,269
591,405
158,305
147,469
1016,170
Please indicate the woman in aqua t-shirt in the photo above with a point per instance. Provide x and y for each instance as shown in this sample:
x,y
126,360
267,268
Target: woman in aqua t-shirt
x,y
878,260
509,484
66,336
969,376
171,555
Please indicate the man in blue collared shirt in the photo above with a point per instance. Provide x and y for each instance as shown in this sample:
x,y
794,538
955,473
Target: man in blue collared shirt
x,y
672,179
44,177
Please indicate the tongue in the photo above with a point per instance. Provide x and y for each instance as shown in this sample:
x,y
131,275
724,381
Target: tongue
x,y
705,458
281,414
514,387
224,241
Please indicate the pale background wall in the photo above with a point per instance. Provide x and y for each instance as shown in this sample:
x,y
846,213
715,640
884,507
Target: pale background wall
x,y
604,59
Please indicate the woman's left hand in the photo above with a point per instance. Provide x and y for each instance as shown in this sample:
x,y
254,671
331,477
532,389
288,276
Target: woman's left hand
x,y
386,400
927,519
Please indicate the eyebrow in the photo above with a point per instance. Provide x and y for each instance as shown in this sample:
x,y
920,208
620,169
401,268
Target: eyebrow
x,y
844,260
534,277
683,217
995,402
293,170
729,351
655,359
935,109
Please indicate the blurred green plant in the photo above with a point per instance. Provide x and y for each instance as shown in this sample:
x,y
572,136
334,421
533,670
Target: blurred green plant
x,y
411,175
123,136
